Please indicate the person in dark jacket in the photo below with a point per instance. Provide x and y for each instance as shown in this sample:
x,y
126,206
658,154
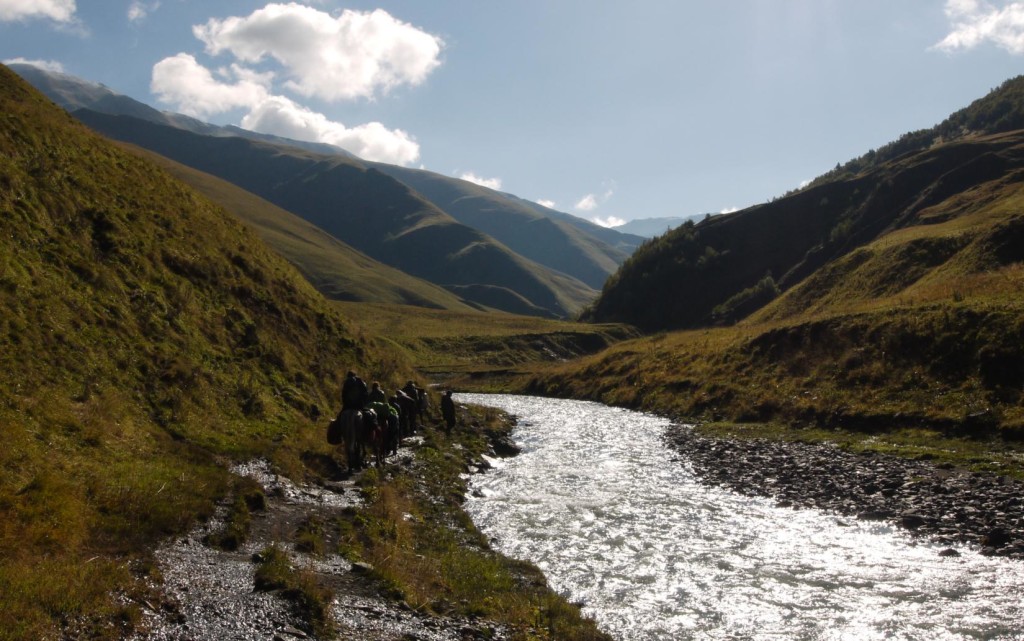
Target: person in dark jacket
x,y
354,394
448,410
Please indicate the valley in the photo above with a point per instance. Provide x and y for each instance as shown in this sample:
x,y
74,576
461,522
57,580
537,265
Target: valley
x,y
183,301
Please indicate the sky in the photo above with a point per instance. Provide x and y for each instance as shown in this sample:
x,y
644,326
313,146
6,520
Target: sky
x,y
607,110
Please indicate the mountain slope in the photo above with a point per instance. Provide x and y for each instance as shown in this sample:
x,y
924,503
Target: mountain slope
x,y
726,267
368,210
523,229
558,241
335,269
146,339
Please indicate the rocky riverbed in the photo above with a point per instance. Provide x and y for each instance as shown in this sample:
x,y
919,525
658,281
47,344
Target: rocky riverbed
x,y
207,593
945,504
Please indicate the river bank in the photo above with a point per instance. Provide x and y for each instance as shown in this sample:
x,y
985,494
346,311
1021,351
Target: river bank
x,y
380,554
937,501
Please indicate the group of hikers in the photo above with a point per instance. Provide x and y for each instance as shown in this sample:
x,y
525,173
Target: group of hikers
x,y
371,421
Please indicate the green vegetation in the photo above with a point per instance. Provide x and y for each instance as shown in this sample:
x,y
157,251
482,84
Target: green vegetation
x,y
146,338
311,598
371,211
477,350
424,547
338,271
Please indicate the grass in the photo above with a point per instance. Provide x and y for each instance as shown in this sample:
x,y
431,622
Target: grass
x,y
425,550
311,598
476,349
147,339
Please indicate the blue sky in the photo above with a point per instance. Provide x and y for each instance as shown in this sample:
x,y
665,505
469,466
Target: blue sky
x,y
607,110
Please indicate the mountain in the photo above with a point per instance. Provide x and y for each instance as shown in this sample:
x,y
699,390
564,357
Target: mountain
x,y
147,338
333,267
370,211
539,235
884,302
555,240
73,93
651,227
725,268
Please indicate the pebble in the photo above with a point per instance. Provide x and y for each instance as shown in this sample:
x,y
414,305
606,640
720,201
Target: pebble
x,y
981,510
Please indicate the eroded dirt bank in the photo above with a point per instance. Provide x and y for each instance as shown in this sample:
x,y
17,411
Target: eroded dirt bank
x,y
948,505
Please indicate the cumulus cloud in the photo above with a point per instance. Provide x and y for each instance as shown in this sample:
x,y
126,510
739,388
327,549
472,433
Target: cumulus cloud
x,y
56,10
356,55
974,22
729,210
587,203
550,204
610,221
139,11
182,81
373,141
48,65
491,183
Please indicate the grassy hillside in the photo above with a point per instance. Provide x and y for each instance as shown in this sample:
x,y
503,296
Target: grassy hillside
x,y
726,267
477,350
902,330
526,231
146,337
363,207
335,269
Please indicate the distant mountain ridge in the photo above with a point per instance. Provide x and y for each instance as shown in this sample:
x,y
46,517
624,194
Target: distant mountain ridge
x,y
580,250
370,211
651,227
724,269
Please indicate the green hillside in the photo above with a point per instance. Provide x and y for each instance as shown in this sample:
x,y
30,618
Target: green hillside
x,y
338,271
370,211
884,309
146,339
524,230
726,267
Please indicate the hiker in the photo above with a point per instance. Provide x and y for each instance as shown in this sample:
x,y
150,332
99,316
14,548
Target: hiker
x,y
448,410
413,392
353,393
377,395
407,408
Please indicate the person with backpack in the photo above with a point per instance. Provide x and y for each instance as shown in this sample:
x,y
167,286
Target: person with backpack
x,y
354,394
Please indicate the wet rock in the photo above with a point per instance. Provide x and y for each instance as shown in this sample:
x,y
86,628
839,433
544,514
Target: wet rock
x,y
949,552
935,501
361,567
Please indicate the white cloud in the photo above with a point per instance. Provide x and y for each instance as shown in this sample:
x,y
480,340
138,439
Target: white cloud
x,y
139,10
729,210
356,55
804,183
57,10
976,21
373,141
181,81
587,203
48,65
491,183
550,204
610,221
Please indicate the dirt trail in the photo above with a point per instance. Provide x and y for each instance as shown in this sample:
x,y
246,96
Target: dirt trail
x,y
209,593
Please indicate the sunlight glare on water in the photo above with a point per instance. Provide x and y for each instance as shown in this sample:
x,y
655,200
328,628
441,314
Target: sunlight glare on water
x,y
597,502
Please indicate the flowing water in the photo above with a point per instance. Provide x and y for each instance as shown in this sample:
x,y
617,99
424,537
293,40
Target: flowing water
x,y
598,502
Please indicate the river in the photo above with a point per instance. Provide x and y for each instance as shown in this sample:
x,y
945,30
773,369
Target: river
x,y
620,525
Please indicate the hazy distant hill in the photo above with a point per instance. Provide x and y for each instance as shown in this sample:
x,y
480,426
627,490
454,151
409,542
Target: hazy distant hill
x,y
727,267
373,212
651,227
147,338
539,237
73,93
